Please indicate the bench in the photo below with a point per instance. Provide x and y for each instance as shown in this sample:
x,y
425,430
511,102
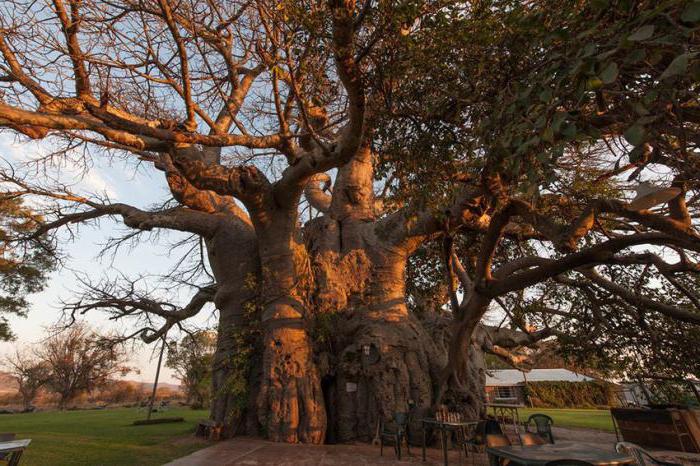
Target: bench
x,y
662,428
13,450
6,437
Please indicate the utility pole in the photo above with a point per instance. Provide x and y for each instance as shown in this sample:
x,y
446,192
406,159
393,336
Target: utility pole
x,y
155,383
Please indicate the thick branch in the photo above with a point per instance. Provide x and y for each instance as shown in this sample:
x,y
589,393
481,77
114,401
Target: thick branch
x,y
19,75
245,182
321,158
508,338
487,250
315,192
350,75
128,133
187,194
179,218
70,27
567,238
598,254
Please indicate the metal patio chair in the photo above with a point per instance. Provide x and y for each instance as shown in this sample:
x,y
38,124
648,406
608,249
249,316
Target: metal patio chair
x,y
543,425
640,455
397,431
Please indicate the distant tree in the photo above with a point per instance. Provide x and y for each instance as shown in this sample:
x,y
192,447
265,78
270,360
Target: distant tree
x,y
24,267
80,361
191,359
120,391
30,373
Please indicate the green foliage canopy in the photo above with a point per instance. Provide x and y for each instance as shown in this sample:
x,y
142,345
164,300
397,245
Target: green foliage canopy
x,y
25,266
528,89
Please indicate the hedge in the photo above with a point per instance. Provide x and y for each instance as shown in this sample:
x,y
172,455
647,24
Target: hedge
x,y
570,394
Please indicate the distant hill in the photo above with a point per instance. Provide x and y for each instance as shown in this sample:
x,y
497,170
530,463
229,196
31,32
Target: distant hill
x,y
8,384
149,385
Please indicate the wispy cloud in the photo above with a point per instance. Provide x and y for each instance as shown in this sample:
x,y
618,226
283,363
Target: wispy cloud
x,y
81,178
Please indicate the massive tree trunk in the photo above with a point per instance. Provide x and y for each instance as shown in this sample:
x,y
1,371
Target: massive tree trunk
x,y
387,361
378,359
290,401
375,357
340,349
233,255
265,380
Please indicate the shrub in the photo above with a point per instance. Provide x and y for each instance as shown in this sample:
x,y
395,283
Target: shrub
x,y
570,394
120,391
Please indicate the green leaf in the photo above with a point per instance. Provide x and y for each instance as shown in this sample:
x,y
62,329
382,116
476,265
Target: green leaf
x,y
640,109
655,57
525,93
589,50
650,97
546,95
594,82
605,55
691,14
594,133
548,134
635,56
610,73
516,166
576,68
558,151
635,134
643,33
569,131
645,120
679,65
558,119
635,154
533,141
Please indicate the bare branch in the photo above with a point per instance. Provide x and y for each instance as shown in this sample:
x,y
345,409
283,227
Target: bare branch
x,y
125,300
636,300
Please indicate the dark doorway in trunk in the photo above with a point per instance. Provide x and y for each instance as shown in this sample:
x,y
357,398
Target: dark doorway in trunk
x,y
328,386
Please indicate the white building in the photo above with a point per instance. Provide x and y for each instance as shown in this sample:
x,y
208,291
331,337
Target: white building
x,y
506,385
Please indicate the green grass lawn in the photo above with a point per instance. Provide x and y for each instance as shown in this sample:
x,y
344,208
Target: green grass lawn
x,y
599,419
103,437
106,437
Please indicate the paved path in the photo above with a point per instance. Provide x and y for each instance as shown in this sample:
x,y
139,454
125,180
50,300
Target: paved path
x,y
250,451
584,435
607,438
256,452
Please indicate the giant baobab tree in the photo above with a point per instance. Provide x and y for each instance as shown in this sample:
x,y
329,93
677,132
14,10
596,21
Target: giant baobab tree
x,y
257,113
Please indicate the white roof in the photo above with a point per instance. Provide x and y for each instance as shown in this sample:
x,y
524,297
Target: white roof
x,y
507,377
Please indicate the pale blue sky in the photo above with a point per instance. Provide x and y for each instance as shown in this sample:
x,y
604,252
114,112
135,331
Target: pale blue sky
x,y
123,184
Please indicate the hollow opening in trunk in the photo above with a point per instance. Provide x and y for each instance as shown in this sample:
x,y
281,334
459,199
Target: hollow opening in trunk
x,y
328,385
